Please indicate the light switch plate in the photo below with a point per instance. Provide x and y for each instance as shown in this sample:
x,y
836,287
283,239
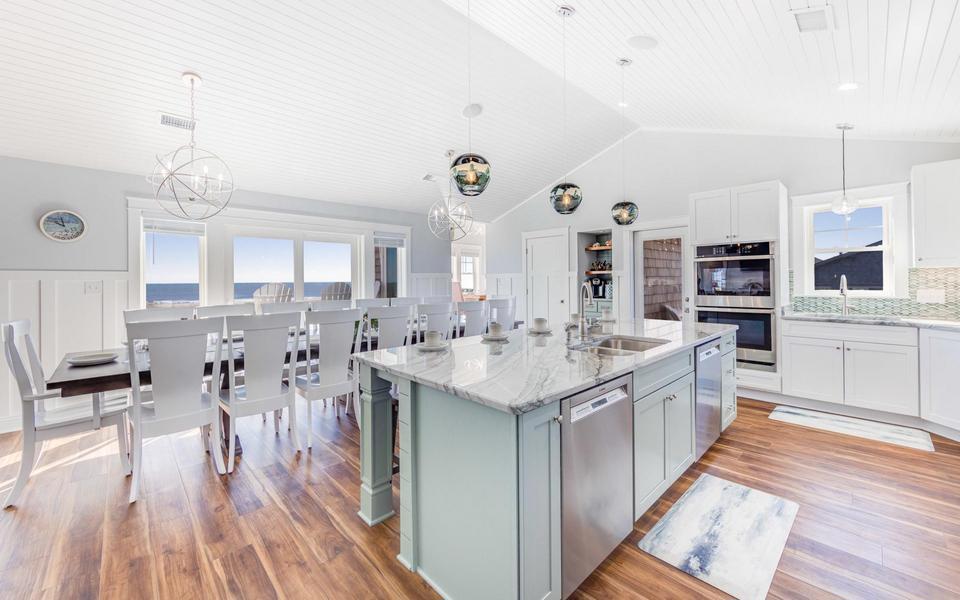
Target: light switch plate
x,y
92,287
931,296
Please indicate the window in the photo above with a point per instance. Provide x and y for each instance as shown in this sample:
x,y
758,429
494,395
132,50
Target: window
x,y
855,245
468,271
263,268
327,270
387,262
171,265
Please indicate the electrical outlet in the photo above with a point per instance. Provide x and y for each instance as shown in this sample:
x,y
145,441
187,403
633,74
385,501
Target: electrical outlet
x,y
92,287
931,296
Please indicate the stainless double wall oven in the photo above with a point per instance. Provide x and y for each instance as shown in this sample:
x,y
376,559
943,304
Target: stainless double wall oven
x,y
736,284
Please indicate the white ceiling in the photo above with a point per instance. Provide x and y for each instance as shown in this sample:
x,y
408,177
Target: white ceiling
x,y
354,101
742,65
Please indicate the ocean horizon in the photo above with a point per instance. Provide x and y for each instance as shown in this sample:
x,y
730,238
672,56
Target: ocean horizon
x,y
190,292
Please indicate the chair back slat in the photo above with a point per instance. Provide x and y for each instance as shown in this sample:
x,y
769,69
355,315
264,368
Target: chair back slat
x,y
177,354
371,302
503,311
150,315
331,304
334,333
227,310
437,317
405,301
267,341
475,317
273,308
393,326
436,300
17,333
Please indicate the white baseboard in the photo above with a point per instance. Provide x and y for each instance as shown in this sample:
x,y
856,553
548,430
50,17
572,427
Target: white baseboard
x,y
850,411
8,424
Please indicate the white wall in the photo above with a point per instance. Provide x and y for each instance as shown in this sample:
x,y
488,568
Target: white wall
x,y
663,168
31,188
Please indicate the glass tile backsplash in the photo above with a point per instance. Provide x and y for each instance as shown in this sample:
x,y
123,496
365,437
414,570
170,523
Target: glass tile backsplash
x,y
947,279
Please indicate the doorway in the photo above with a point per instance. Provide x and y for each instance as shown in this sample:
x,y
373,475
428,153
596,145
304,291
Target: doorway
x,y
662,275
546,273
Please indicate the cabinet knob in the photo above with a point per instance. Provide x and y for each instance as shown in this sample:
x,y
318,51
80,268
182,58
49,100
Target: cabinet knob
x,y
558,418
838,347
848,349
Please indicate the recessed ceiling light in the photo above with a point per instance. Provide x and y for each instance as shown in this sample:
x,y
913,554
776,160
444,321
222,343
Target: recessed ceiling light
x,y
643,42
622,104
472,110
848,86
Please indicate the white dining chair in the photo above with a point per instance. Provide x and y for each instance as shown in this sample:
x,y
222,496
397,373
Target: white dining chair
x,y
365,303
335,333
273,308
475,318
227,310
177,399
331,304
270,346
393,326
149,315
503,311
435,317
436,300
41,423
406,301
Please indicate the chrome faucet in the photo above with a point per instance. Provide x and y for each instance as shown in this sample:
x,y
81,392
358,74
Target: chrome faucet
x,y
584,325
844,291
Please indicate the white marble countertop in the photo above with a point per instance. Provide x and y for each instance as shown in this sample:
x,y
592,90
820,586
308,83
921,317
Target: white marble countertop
x,y
528,371
889,320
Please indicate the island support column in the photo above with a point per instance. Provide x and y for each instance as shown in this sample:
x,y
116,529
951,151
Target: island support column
x,y
376,447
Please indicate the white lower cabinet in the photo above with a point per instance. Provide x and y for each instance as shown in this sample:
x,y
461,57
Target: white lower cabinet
x,y
663,440
812,368
865,366
881,377
939,392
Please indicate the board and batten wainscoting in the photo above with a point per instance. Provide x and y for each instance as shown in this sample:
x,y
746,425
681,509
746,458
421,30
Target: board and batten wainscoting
x,y
430,284
69,311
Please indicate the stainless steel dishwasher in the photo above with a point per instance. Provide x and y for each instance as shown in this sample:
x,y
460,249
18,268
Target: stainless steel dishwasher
x,y
708,415
596,455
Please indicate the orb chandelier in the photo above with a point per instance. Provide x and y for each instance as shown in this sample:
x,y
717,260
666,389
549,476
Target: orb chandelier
x,y
843,204
470,172
450,219
624,212
565,197
190,182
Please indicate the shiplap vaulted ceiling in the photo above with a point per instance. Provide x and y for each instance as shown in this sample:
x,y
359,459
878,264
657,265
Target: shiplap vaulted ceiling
x,y
742,65
342,101
355,101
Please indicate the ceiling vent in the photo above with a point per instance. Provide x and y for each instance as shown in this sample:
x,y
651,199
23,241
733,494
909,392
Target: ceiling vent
x,y
177,121
812,19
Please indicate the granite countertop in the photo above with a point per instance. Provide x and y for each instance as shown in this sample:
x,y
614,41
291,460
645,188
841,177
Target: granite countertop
x,y
528,371
889,320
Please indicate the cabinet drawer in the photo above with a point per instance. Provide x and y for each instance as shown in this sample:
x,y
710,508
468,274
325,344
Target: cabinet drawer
x,y
876,334
651,378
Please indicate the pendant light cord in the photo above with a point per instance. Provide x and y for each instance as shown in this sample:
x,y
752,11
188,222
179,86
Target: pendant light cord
x,y
469,78
843,160
193,112
623,133
563,28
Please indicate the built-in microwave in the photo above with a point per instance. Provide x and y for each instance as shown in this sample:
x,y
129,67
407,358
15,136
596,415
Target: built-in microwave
x,y
736,275
756,336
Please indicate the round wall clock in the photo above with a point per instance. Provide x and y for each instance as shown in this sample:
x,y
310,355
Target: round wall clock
x,y
63,226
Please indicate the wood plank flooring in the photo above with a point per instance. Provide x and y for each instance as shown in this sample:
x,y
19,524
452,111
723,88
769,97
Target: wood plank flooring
x,y
875,520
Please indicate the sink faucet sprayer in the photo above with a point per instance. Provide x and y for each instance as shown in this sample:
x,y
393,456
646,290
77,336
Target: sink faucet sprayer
x,y
584,325
844,291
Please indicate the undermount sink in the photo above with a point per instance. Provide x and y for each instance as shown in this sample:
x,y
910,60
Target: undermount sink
x,y
624,343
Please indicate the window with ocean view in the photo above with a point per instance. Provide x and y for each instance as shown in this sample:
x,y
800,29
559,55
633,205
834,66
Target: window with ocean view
x,y
262,264
171,270
327,270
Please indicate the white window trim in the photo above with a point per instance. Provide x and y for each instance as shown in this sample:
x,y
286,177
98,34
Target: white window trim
x,y
896,236
198,229
217,270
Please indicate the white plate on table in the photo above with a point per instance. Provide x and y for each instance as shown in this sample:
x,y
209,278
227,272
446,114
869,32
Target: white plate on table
x,y
94,358
487,337
424,347
533,331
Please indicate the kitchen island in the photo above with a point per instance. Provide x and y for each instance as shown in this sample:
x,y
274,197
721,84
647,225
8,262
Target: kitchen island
x,y
479,438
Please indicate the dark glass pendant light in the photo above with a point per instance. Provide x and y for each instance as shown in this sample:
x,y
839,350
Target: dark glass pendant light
x,y
470,172
565,197
624,213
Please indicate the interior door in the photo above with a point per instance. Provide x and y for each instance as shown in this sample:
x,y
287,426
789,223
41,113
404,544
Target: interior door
x,y
548,288
662,275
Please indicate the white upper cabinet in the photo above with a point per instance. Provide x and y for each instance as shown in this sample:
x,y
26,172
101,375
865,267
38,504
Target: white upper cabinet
x,y
748,213
935,191
710,212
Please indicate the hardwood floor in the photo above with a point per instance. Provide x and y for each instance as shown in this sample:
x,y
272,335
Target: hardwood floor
x,y
875,521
